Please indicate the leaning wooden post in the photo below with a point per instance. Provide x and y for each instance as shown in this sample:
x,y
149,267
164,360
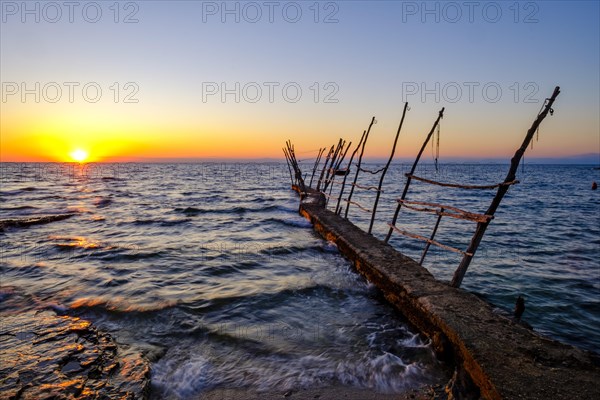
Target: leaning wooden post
x,y
435,228
362,151
335,170
337,207
502,189
339,159
336,154
412,171
386,168
288,164
324,167
339,147
291,161
299,179
316,165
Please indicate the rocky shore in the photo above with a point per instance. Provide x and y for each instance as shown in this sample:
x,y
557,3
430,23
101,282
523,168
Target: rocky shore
x,y
48,356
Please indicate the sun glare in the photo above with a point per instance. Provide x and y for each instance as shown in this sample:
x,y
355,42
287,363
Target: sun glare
x,y
79,155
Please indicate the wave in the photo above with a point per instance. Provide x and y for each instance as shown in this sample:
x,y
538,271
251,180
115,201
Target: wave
x,y
102,202
118,305
268,298
190,210
17,208
293,223
286,249
68,242
17,191
182,376
232,210
131,254
107,251
25,222
161,222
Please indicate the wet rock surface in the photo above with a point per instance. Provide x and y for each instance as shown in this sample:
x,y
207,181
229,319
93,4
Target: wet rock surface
x,y
48,356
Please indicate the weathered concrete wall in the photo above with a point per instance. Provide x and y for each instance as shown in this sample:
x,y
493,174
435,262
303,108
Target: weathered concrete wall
x,y
504,360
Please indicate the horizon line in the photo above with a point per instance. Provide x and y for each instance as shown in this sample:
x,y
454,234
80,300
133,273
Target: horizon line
x,y
587,158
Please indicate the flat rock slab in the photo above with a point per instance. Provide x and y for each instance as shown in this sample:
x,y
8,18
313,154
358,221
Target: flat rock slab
x,y
47,356
504,360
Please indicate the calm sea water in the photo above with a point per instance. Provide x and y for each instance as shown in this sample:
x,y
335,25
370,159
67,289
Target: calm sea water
x,y
210,272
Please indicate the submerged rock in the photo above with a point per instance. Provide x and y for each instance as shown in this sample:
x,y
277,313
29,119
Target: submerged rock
x,y
44,356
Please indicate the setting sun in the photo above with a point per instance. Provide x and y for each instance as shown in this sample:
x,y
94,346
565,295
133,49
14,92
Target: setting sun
x,y
79,155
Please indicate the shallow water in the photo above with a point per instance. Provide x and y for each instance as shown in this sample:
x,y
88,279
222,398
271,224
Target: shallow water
x,y
206,269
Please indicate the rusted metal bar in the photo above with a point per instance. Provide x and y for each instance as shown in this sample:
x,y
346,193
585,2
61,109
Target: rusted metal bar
x,y
510,177
337,207
423,238
387,165
412,171
459,186
362,151
428,244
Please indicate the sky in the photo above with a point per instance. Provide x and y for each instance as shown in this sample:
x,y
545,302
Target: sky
x,y
128,81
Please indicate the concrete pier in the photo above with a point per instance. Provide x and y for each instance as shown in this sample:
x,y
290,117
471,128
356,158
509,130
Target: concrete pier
x,y
494,357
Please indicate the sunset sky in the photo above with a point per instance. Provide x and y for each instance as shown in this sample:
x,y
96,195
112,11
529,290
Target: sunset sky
x,y
162,66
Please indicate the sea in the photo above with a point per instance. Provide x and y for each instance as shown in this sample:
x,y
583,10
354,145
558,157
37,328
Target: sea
x,y
208,270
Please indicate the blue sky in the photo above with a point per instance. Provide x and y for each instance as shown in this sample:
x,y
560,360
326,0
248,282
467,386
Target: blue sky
x,y
368,57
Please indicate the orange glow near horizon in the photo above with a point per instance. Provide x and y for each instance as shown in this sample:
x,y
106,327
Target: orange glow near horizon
x,y
109,134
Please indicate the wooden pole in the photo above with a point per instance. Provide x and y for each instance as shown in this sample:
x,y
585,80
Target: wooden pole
x,y
386,168
412,171
511,176
335,169
317,161
435,228
341,159
362,151
294,161
337,207
324,167
288,164
338,149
